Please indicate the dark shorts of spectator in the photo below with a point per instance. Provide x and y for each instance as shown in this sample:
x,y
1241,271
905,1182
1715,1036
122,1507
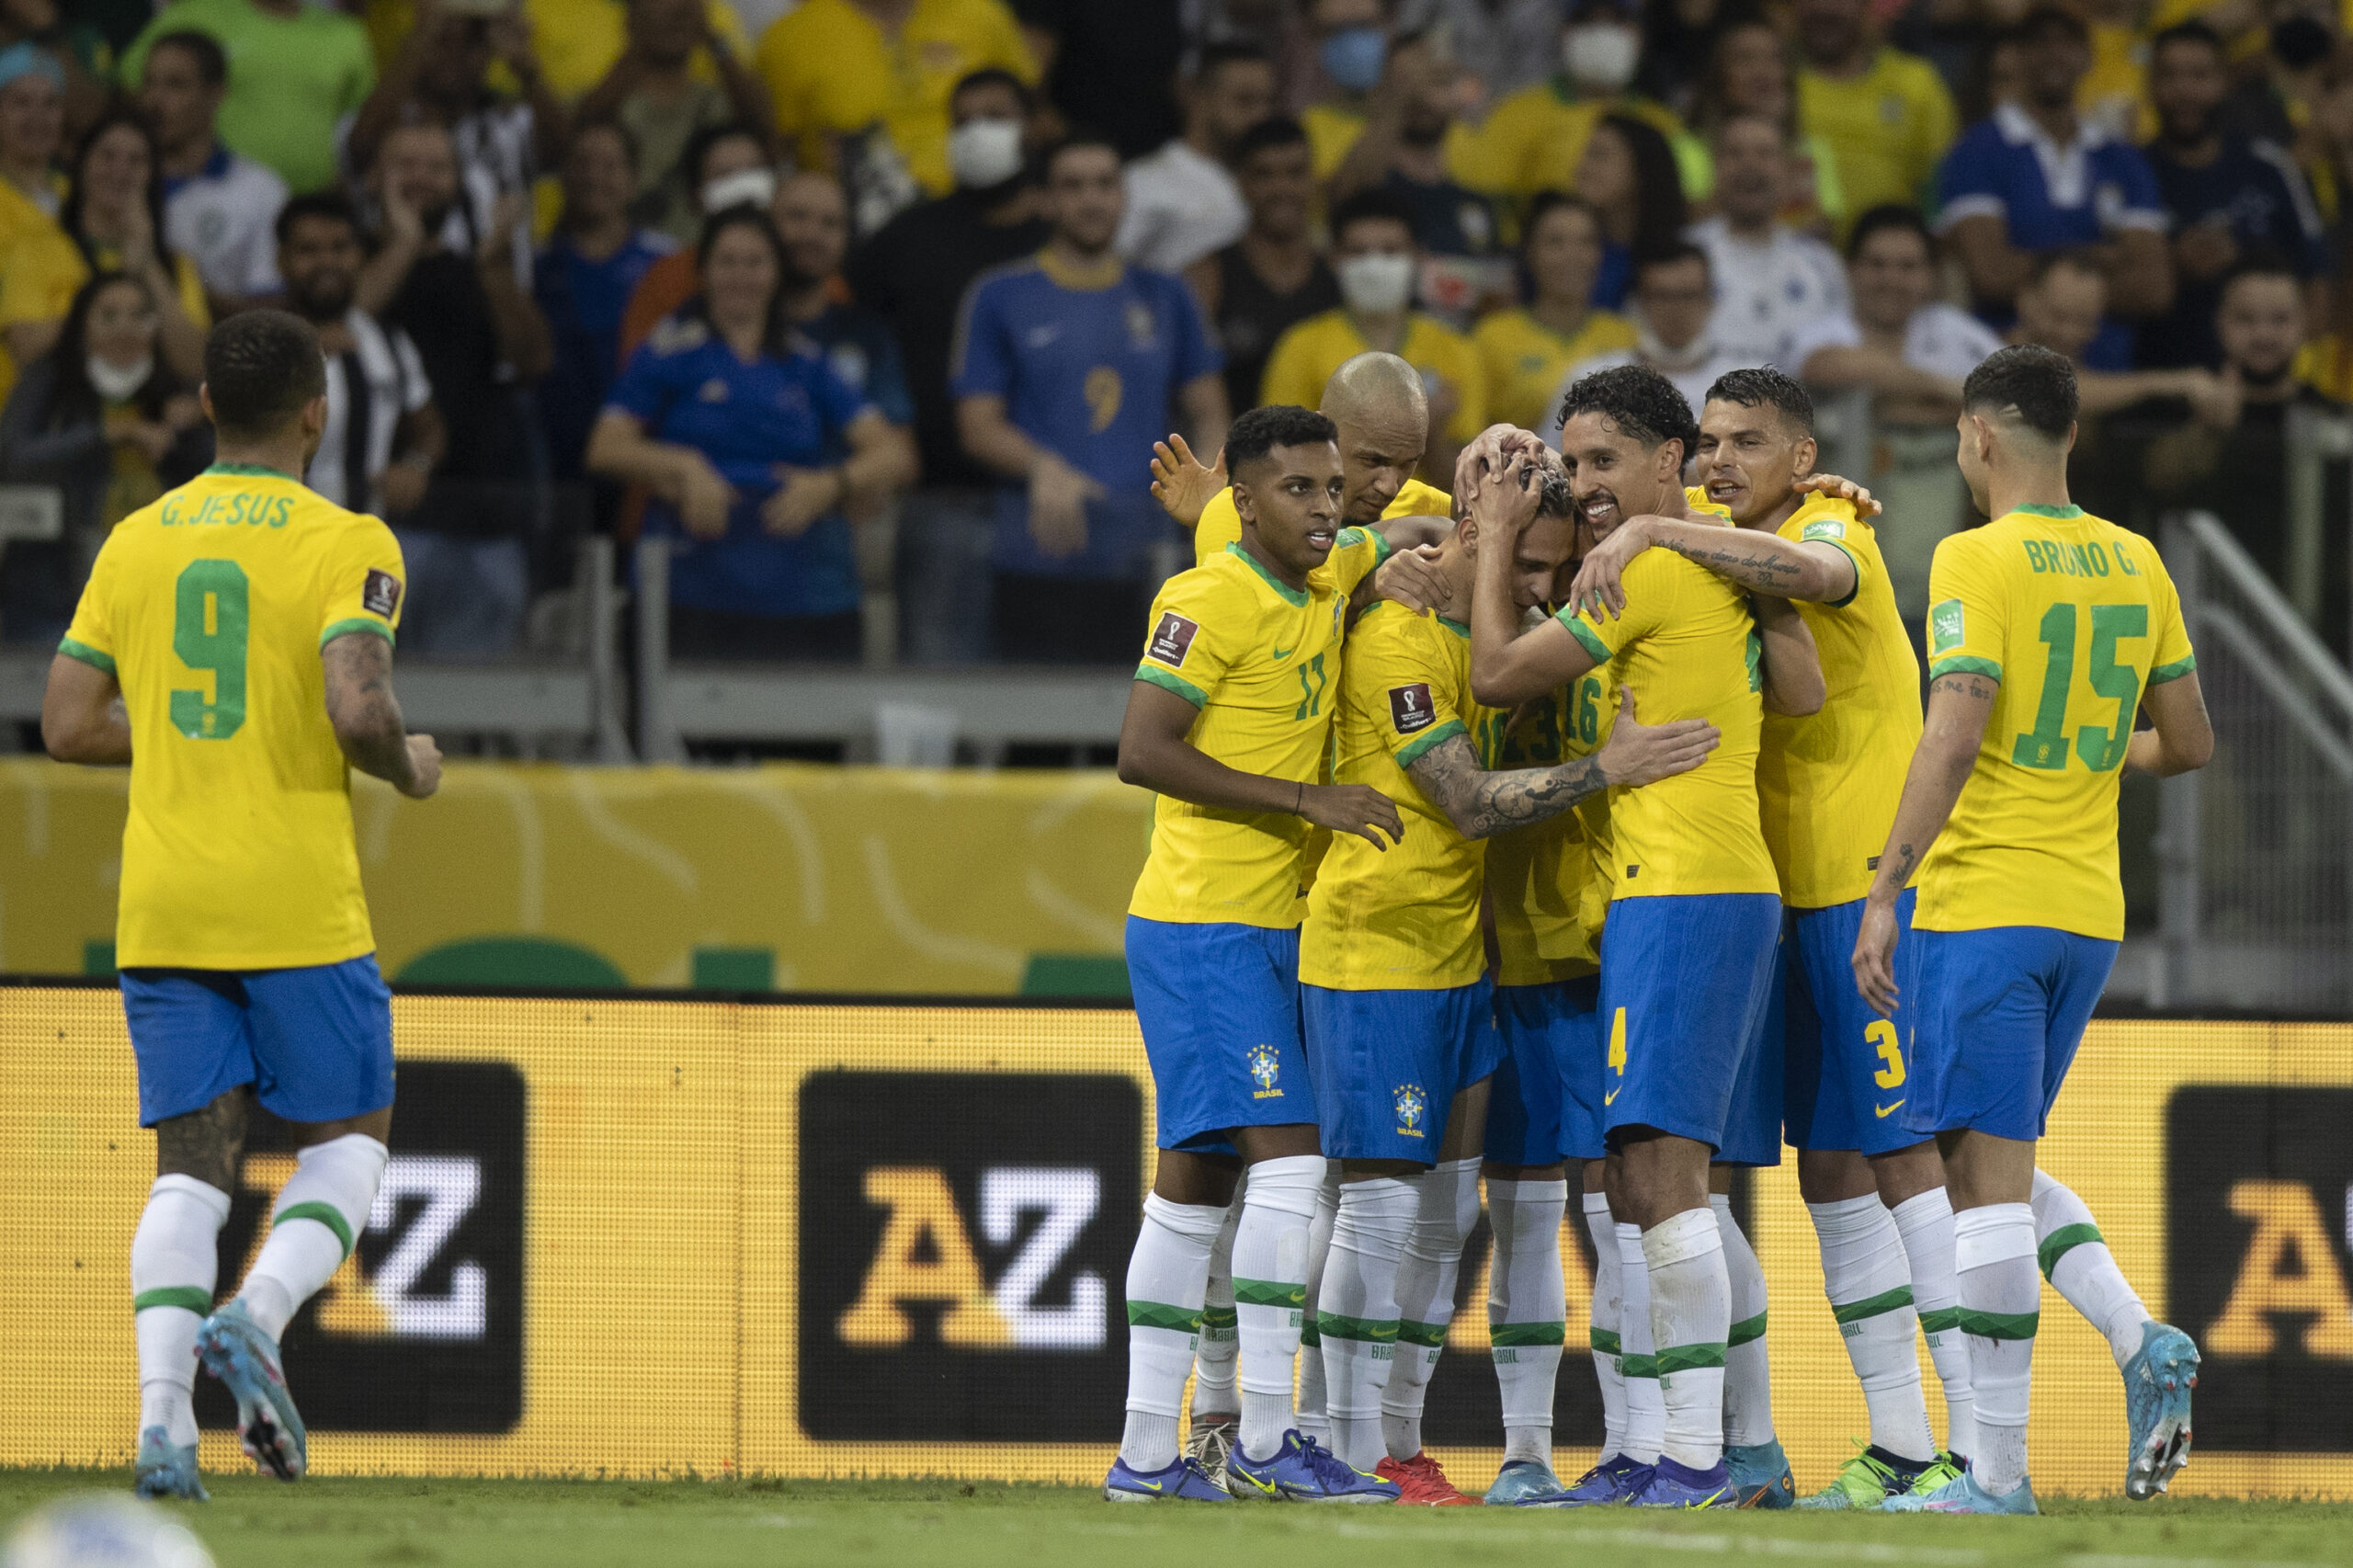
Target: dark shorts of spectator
x,y
729,635
1067,620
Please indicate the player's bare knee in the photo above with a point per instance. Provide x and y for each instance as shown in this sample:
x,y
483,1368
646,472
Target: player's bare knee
x,y
206,1143
1905,1174
1835,1175
376,1124
1197,1179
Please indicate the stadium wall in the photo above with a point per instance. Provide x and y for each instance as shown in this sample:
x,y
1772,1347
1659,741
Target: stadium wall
x,y
629,1236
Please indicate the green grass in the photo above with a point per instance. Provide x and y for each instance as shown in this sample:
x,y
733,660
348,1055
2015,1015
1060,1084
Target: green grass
x,y
253,1523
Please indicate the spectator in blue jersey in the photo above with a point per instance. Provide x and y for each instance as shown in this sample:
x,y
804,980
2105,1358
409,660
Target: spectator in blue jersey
x,y
2227,197
583,279
1065,367
753,450
2037,177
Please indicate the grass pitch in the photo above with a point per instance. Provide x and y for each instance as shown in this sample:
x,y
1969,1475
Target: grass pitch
x,y
327,1523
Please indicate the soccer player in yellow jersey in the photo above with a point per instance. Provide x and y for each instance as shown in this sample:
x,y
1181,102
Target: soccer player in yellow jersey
x,y
2049,630
1689,938
234,647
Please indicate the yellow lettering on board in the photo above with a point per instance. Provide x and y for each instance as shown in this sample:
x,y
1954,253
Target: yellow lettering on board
x,y
923,1255
2290,1268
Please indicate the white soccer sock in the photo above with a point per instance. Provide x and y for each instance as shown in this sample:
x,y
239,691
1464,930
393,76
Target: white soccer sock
x,y
1690,1320
1527,1309
1868,1280
2080,1268
1645,1400
1358,1316
1213,1395
1426,1276
333,1189
1925,1222
173,1266
1748,1382
1608,1347
1311,1419
1168,1274
1270,1291
2000,1305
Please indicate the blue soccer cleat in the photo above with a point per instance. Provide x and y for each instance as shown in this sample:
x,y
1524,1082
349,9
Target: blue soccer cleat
x,y
234,1349
1183,1481
1612,1481
1760,1476
1674,1485
1523,1480
2157,1381
1303,1471
1962,1496
166,1469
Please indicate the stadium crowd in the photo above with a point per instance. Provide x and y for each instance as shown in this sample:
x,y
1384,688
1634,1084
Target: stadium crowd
x,y
871,303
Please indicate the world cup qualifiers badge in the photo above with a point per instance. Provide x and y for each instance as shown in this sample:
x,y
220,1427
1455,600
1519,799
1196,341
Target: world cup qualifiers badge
x,y
1265,1065
1413,1106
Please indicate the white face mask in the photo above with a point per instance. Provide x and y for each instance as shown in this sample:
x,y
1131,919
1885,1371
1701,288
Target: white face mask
x,y
1601,56
755,188
984,153
117,383
1376,285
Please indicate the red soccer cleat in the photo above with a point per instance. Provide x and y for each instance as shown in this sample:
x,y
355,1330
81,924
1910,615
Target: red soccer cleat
x,y
1421,1484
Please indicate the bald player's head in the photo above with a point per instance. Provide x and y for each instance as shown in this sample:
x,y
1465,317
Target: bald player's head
x,y
1383,415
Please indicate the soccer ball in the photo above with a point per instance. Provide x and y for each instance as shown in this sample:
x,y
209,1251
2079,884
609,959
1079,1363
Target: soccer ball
x,y
103,1530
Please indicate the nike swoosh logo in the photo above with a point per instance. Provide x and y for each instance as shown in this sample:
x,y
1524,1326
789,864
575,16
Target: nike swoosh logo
x,y
1148,1485
1285,652
1611,1098
1884,1111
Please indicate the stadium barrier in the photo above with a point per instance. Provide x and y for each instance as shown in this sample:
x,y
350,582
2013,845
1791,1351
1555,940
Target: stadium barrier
x,y
628,1237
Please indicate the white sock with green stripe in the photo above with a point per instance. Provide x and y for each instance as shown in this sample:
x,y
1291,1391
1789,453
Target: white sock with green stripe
x,y
1310,1418
1645,1401
1869,1281
1270,1291
1608,1347
1748,1382
2080,1268
2001,1304
1358,1315
319,1213
1925,1221
1427,1278
1213,1396
173,1266
1168,1274
1527,1310
1690,1321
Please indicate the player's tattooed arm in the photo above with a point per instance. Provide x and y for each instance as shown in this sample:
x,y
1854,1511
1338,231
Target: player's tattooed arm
x,y
366,716
82,717
1480,802
1761,562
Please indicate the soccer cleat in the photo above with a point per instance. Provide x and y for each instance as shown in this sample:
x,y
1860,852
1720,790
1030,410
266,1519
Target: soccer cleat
x,y
1875,1475
2157,1381
1674,1485
1614,1480
1182,1482
1421,1483
234,1348
1961,1494
1760,1476
1523,1480
1210,1441
166,1469
1303,1471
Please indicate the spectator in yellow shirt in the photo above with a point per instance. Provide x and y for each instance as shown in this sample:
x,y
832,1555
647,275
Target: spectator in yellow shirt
x,y
1527,349
838,67
1885,115
32,127
1352,49
1374,257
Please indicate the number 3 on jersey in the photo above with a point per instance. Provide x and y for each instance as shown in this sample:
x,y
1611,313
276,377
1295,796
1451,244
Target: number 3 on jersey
x,y
208,624
2101,746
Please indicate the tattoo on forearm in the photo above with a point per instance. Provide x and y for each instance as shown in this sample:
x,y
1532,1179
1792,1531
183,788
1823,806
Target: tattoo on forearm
x,y
1484,804
1752,568
1965,684
360,700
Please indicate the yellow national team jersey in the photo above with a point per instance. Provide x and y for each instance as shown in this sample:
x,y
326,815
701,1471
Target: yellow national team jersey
x,y
1405,918
1307,354
1220,525
1526,360
1261,660
1829,784
1548,883
1886,128
2075,618
209,607
1535,137
1687,648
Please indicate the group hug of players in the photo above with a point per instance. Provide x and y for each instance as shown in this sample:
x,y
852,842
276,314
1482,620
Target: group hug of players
x,y
1565,832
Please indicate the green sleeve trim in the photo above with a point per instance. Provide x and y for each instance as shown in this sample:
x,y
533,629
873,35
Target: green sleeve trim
x,y
1159,1315
1414,750
2062,1242
187,1298
1332,1325
1428,1335
1872,1306
1603,1340
1939,1320
1689,1358
2174,671
1510,1336
1268,1293
1964,665
326,1214
1168,681
87,654
1587,635
357,623
1840,546
1999,1325
1747,1330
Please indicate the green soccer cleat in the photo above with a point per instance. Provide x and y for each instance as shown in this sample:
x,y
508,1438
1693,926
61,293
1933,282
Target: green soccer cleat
x,y
1875,1475
234,1349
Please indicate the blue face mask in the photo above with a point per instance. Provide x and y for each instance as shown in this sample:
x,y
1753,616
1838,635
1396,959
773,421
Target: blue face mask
x,y
1353,58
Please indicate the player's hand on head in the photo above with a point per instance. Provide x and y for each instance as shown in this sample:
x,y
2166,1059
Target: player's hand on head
x,y
1503,500
1875,958
1353,808
1411,578
1490,449
1840,489
425,764
1182,486
1638,754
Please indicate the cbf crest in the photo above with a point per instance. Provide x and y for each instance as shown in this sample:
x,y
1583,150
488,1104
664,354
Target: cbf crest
x,y
1266,1069
1141,326
1413,1111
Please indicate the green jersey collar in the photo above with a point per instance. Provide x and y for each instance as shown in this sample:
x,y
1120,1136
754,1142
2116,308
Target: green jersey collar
x,y
1293,596
2035,508
249,470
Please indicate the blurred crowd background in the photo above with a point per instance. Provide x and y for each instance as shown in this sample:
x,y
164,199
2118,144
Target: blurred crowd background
x,y
874,308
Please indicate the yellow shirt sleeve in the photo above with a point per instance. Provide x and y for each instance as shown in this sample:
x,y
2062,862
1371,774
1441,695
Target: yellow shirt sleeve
x,y
1451,355
1356,554
1833,526
2174,657
42,272
1415,709
189,285
1181,653
1290,375
90,637
363,583
1968,611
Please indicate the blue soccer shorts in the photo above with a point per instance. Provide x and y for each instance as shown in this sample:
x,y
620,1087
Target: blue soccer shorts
x,y
1752,1126
316,1043
1219,1006
1847,1076
1995,1016
1546,1100
1387,1066
1684,978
